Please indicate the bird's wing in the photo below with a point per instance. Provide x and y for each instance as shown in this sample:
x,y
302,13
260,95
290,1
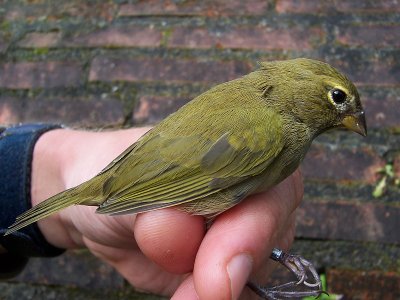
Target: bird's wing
x,y
167,169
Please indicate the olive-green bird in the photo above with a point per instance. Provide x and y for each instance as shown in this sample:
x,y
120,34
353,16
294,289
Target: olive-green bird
x,y
238,138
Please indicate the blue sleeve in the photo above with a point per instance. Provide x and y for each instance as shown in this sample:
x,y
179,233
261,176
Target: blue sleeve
x,y
16,151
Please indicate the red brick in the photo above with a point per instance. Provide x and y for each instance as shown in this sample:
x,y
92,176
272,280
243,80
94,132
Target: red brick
x,y
247,38
25,75
364,285
278,276
40,40
29,12
131,36
25,12
105,10
152,109
358,164
164,69
396,166
368,6
70,111
74,268
378,71
329,6
341,220
8,112
4,43
304,6
194,8
192,38
382,112
376,36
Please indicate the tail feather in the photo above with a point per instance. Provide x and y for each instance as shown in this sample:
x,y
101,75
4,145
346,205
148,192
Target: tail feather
x,y
48,207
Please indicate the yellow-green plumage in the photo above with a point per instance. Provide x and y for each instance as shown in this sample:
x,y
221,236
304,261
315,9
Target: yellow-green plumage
x,y
240,137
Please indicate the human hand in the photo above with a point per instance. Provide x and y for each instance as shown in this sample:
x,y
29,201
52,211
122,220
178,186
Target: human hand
x,y
166,251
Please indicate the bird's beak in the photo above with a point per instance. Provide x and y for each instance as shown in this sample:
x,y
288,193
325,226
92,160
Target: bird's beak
x,y
356,122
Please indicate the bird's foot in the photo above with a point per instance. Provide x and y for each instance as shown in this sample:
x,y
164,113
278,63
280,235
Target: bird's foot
x,y
298,266
295,289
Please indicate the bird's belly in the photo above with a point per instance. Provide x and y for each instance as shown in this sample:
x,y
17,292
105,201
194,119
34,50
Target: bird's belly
x,y
279,170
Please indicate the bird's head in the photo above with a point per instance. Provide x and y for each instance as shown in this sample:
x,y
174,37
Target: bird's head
x,y
315,93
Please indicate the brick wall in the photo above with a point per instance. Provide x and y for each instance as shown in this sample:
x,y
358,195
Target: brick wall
x,y
102,64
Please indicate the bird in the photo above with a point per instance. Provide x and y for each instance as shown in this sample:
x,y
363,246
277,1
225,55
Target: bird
x,y
238,138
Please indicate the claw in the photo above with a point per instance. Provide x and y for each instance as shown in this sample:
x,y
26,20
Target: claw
x,y
300,268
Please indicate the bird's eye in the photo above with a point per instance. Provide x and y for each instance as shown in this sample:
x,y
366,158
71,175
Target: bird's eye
x,y
338,96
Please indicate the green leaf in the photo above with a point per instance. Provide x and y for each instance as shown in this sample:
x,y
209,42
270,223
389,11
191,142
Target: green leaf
x,y
380,188
324,288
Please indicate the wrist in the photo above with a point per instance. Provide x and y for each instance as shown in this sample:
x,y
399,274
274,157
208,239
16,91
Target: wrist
x,y
47,179
46,176
16,148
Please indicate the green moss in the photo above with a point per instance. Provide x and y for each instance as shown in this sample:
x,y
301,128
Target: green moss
x,y
46,292
41,51
166,34
350,255
5,26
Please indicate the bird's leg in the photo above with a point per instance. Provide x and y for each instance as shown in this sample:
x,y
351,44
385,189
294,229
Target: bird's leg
x,y
299,267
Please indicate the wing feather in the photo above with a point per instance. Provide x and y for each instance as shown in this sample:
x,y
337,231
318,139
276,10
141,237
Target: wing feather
x,y
168,168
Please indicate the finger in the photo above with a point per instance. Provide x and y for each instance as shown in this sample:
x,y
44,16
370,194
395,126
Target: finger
x,y
287,233
113,231
241,239
170,238
137,269
186,290
284,240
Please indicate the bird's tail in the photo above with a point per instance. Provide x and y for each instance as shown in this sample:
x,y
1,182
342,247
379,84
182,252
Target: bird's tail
x,y
76,195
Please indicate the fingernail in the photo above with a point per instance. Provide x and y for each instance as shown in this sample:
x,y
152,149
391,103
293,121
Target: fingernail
x,y
239,269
